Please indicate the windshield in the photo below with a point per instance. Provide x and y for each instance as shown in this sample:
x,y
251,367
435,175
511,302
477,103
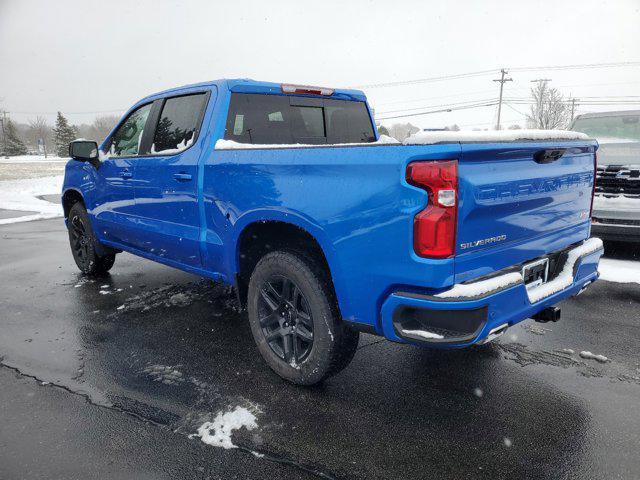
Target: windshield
x,y
619,126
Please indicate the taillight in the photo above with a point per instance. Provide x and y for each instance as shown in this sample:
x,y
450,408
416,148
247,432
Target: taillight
x,y
307,90
434,228
595,176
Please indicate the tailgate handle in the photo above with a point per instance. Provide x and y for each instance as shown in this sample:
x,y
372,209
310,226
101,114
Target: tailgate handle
x,y
548,156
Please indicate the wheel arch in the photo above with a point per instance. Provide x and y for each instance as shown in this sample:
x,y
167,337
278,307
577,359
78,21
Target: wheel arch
x,y
70,197
260,234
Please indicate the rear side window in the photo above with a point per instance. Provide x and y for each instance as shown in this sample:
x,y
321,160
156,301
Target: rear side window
x,y
178,124
281,119
126,141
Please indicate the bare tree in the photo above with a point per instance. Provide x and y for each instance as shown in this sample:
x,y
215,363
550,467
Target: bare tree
x,y
549,110
102,126
401,131
39,129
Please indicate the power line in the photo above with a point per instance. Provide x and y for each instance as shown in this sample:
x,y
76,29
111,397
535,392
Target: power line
x,y
413,100
489,104
456,104
487,72
515,109
582,66
428,80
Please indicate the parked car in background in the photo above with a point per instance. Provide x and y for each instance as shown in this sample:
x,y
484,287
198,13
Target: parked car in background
x,y
616,206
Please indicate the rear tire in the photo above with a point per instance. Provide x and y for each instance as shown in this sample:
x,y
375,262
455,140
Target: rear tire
x,y
88,254
295,319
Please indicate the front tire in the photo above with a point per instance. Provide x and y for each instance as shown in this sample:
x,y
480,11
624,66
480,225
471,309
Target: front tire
x,y
87,253
295,320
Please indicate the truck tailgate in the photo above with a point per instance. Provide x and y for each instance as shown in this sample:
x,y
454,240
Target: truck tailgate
x,y
518,202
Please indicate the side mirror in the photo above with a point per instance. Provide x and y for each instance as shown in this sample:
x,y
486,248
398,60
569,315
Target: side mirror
x,y
84,151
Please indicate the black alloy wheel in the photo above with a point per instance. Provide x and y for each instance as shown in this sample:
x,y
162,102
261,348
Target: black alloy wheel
x,y
286,319
80,242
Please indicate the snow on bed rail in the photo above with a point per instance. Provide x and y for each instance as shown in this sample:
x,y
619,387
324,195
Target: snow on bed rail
x,y
223,144
427,138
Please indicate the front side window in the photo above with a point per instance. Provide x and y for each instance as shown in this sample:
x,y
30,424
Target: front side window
x,y
282,119
178,124
126,141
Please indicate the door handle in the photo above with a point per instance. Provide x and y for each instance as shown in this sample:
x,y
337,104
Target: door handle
x,y
182,177
126,174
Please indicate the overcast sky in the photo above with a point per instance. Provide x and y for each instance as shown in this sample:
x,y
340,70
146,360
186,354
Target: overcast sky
x,y
100,57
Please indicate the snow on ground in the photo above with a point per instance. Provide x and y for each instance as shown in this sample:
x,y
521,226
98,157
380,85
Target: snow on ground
x,y
592,356
218,433
22,195
33,159
621,271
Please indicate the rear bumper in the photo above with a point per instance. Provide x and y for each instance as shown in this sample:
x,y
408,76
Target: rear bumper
x,y
468,313
616,232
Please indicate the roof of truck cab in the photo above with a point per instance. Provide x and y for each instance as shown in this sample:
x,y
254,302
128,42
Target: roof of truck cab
x,y
246,85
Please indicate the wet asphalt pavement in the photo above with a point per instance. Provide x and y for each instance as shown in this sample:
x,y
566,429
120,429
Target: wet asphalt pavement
x,y
107,378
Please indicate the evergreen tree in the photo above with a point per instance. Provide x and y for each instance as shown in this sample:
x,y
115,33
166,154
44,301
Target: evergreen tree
x,y
63,135
12,144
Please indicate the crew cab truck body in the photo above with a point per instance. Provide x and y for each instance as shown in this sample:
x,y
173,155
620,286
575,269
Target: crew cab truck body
x,y
327,230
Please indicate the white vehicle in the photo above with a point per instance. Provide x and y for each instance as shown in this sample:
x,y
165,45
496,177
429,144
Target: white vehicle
x,y
616,205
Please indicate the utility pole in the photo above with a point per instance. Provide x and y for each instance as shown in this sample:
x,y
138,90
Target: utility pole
x,y
503,72
573,107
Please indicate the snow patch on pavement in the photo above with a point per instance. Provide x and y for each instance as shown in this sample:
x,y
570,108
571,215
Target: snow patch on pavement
x,y
22,195
166,374
218,433
592,356
33,159
621,271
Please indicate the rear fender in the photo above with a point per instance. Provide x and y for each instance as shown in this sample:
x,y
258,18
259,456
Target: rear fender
x,y
297,219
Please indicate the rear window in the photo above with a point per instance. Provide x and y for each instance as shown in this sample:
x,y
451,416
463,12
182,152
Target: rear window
x,y
281,119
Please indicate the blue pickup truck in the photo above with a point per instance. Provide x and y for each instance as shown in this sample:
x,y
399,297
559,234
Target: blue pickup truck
x,y
327,230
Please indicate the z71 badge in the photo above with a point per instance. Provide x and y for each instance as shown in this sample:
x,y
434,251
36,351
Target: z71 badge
x,y
484,241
